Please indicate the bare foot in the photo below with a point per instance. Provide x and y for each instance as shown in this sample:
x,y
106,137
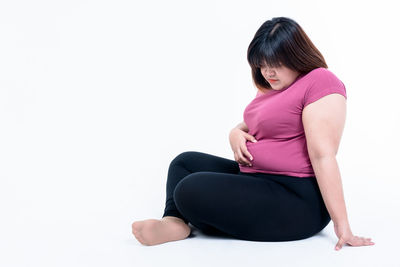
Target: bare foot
x,y
153,232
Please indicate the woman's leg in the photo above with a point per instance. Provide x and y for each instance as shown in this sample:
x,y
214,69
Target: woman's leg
x,y
191,162
173,226
257,207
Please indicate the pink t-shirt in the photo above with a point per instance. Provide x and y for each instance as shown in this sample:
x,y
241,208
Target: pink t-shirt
x,y
274,118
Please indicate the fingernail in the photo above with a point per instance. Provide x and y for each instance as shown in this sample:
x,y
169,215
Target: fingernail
x,y
251,158
254,141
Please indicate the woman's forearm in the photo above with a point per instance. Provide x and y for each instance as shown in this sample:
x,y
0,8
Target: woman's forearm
x,y
330,184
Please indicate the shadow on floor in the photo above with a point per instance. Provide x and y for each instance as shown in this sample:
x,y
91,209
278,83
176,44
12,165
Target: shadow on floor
x,y
212,232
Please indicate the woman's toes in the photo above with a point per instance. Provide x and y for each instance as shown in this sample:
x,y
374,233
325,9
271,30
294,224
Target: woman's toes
x,y
140,239
152,231
136,226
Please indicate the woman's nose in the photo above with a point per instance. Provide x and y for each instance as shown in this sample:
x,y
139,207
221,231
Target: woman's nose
x,y
270,73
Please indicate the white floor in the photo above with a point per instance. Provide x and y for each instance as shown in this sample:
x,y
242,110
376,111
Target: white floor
x,y
88,224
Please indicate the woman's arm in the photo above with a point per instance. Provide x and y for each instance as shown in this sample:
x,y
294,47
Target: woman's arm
x,y
330,184
323,122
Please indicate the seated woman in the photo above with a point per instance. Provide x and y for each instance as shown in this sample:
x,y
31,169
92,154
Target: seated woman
x,y
285,182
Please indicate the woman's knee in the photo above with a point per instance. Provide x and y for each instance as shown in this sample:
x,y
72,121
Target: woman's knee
x,y
183,157
186,195
188,187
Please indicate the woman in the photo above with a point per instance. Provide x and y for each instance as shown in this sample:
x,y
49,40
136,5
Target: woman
x,y
284,183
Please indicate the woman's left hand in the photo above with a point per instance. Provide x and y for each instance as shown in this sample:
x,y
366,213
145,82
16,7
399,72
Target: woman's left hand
x,y
345,236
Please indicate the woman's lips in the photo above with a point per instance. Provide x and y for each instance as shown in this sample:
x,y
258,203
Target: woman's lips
x,y
272,81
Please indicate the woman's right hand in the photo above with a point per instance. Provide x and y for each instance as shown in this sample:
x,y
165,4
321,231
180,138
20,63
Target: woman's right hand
x,y
238,139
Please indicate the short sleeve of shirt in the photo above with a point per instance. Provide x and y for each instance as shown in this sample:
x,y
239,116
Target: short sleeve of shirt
x,y
324,82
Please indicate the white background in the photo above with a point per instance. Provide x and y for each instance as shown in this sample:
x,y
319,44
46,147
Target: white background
x,y
97,98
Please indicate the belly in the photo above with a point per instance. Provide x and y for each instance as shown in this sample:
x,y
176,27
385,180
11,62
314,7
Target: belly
x,y
279,155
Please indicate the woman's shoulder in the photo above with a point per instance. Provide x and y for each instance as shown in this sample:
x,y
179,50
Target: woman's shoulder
x,y
321,80
321,73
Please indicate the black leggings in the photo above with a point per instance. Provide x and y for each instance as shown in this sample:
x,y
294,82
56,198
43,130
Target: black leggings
x,y
213,195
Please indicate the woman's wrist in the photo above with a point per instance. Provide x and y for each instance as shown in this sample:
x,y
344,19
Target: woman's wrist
x,y
242,126
342,223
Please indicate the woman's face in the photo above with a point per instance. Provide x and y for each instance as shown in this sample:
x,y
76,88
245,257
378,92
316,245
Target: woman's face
x,y
279,77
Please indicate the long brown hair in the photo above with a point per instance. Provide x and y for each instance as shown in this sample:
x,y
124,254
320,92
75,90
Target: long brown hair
x,y
281,41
